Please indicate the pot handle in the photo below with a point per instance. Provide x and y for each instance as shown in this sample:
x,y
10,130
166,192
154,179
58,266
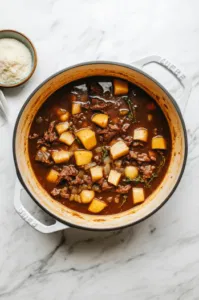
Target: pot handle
x,y
3,106
184,81
24,214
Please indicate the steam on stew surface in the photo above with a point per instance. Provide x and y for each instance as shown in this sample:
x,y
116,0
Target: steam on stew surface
x,y
100,146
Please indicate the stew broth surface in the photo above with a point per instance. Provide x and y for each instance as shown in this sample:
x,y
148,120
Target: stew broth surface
x,y
128,108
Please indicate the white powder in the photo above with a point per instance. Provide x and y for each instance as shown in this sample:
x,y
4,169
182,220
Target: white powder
x,y
15,61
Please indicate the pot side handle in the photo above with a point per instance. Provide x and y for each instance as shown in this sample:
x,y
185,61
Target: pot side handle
x,y
178,74
24,214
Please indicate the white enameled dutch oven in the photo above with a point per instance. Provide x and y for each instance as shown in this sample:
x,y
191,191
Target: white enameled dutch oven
x,y
64,216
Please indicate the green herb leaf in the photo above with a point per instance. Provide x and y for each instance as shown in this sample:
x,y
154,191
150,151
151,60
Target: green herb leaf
x,y
124,199
137,179
132,111
104,152
158,169
78,140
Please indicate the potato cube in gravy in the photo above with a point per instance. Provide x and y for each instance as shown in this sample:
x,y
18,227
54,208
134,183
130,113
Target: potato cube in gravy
x,y
138,195
114,177
96,173
87,196
61,156
141,134
101,120
83,157
96,206
61,127
87,137
67,138
158,142
119,149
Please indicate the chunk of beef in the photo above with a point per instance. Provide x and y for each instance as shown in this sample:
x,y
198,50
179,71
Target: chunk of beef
x,y
114,127
98,158
44,157
147,171
87,179
143,157
138,144
152,155
78,181
63,192
109,135
33,136
125,127
140,157
50,135
123,189
106,186
77,116
95,88
67,172
109,132
128,140
97,104
42,142
55,192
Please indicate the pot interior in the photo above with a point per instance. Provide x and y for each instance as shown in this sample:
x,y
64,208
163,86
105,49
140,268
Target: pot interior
x,y
66,215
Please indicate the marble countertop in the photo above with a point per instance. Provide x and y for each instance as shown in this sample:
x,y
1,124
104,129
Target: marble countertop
x,y
157,259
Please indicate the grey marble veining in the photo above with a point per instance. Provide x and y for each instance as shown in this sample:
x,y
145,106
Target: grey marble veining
x,y
155,260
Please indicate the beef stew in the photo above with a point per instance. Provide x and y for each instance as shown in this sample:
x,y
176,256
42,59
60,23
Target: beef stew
x,y
100,146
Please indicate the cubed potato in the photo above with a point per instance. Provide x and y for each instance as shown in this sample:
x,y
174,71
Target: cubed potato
x,y
119,149
83,157
87,196
96,173
87,137
64,117
114,177
150,117
67,138
120,87
131,172
61,127
96,206
158,142
76,108
138,195
59,111
52,176
101,120
61,156
141,134
124,111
